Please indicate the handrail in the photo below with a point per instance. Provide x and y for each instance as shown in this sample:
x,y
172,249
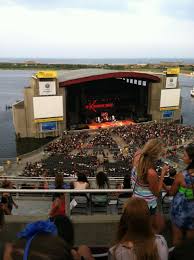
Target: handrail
x,y
66,190
53,179
67,193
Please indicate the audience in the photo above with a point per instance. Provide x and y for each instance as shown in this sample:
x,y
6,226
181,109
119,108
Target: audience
x,y
78,152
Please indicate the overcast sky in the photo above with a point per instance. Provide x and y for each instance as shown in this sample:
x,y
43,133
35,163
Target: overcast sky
x,y
97,28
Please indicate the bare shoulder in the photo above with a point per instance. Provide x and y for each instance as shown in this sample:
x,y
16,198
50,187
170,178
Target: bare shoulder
x,y
152,173
179,176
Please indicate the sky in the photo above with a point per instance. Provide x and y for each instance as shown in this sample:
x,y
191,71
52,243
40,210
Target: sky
x,y
97,28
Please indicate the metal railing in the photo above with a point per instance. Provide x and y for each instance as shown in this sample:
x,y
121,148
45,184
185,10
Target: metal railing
x,y
67,193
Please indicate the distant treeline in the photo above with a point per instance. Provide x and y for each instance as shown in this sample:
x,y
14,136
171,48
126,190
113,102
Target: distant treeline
x,y
187,68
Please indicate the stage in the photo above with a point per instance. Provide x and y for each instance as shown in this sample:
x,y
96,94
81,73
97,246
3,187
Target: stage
x,y
110,124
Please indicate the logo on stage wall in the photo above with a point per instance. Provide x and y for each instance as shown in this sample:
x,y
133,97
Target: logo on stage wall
x,y
171,82
92,106
47,88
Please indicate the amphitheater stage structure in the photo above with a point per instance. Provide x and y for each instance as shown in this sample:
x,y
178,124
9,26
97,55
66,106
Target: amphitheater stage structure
x,y
94,98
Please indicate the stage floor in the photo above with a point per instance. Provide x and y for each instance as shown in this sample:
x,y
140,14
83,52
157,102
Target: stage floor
x,y
111,124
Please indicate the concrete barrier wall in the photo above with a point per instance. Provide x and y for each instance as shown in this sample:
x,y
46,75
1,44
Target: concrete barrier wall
x,y
95,230
99,230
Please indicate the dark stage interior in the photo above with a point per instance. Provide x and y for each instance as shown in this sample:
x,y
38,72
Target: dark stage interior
x,y
118,99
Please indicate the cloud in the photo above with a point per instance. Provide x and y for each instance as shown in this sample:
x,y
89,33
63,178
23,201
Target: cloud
x,y
178,9
108,5
141,31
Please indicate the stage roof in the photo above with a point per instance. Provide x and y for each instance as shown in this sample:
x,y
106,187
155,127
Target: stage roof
x,y
72,77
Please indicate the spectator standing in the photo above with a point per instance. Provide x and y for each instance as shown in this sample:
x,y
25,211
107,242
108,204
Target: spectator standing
x,y
58,206
182,209
7,199
145,182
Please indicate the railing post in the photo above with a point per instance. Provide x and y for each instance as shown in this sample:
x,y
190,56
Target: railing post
x,y
67,204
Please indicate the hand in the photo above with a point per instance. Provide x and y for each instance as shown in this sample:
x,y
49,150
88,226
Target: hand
x,y
75,255
16,206
165,170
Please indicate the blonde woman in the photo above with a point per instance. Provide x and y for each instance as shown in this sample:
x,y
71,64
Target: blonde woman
x,y
144,180
135,237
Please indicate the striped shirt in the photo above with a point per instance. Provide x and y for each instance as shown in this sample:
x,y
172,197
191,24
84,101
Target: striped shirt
x,y
142,190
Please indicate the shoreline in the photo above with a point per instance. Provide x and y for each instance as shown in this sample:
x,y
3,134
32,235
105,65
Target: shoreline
x,y
186,69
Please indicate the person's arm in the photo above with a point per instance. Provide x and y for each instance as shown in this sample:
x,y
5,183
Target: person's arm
x,y
175,186
155,185
15,205
136,158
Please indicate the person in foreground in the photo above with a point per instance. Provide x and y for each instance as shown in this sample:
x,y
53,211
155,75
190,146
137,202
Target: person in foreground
x,y
182,208
39,241
144,179
135,237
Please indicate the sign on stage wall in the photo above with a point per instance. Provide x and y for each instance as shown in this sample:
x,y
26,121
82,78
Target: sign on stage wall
x,y
168,114
55,119
171,82
47,107
47,74
47,88
170,98
48,126
173,71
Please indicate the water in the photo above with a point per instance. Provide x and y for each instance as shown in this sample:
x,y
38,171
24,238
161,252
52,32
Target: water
x,y
99,61
12,84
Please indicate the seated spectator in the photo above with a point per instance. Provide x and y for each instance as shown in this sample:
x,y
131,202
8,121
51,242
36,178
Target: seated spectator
x,y
126,185
59,183
81,183
102,181
135,237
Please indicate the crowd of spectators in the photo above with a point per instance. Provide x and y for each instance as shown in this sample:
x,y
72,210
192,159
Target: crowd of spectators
x,y
63,160
68,165
172,134
132,241
67,143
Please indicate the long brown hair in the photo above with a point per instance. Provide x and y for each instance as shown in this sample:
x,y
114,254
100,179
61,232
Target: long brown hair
x,y
59,181
149,155
135,227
